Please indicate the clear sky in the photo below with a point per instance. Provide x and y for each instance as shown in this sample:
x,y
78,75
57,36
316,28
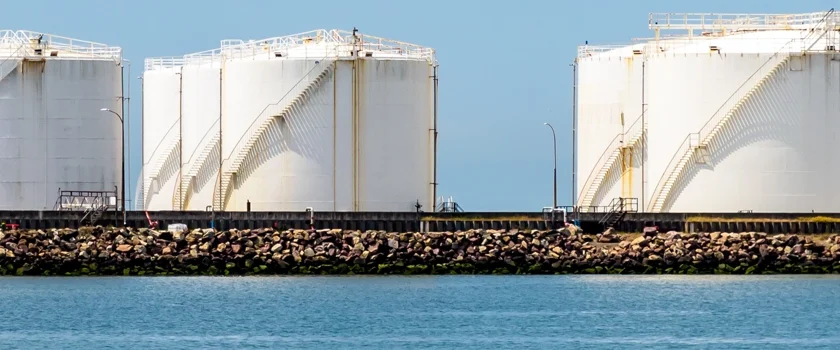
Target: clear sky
x,y
505,66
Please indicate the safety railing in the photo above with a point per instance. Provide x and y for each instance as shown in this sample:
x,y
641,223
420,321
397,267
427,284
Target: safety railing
x,y
162,62
365,42
10,58
74,46
589,50
339,41
8,36
818,31
733,21
615,144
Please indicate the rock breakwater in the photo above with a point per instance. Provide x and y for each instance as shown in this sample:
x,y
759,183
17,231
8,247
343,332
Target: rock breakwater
x,y
100,251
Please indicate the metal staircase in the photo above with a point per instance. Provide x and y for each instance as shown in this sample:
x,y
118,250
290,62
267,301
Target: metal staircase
x,y
265,119
698,142
169,144
618,208
8,64
608,160
209,142
92,214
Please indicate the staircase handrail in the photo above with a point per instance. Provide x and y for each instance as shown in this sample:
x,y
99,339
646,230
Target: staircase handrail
x,y
681,150
706,128
12,56
614,144
205,139
162,141
824,22
254,125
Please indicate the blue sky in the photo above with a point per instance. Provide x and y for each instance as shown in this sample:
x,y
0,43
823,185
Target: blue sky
x,y
504,66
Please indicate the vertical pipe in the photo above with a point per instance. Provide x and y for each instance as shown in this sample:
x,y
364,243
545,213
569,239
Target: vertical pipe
x,y
221,159
142,142
355,132
127,117
180,134
335,131
644,135
435,140
122,139
128,120
574,132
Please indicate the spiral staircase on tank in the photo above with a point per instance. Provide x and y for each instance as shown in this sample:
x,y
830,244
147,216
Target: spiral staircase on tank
x,y
169,144
608,161
695,145
264,120
209,143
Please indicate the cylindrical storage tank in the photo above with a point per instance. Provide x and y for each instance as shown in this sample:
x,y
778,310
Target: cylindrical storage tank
x,y
328,120
53,133
757,117
392,143
739,117
289,165
161,132
200,136
608,117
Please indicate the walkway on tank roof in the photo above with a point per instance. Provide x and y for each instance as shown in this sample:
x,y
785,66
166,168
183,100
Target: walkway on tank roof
x,y
754,32
27,43
320,43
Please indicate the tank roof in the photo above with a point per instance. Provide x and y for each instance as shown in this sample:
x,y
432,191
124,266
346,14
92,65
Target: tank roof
x,y
741,33
31,44
320,44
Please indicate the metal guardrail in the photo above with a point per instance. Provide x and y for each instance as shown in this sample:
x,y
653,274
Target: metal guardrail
x,y
340,41
76,48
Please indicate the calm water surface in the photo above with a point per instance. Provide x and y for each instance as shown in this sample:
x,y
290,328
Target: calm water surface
x,y
464,312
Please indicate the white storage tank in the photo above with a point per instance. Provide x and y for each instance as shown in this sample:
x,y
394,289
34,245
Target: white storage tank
x,y
332,120
53,133
609,138
742,114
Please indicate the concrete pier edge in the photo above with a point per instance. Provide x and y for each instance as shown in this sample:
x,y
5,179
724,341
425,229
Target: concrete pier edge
x,y
800,223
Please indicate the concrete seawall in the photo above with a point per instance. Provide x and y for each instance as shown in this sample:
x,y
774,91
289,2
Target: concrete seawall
x,y
98,251
426,222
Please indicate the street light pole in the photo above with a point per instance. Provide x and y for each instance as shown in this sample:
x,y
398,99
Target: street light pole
x,y
554,136
122,149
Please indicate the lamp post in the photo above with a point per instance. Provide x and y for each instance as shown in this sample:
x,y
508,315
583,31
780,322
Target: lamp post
x,y
122,149
554,136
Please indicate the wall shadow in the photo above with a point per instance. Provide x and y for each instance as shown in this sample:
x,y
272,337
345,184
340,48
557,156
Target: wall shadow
x,y
303,131
168,170
766,115
207,173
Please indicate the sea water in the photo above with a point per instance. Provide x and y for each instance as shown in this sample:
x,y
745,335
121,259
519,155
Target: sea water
x,y
421,312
